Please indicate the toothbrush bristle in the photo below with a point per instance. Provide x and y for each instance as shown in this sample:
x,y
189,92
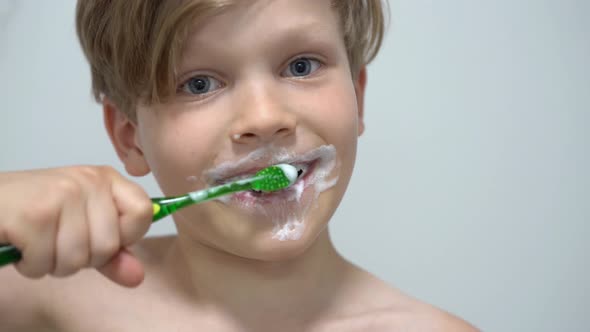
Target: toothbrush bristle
x,y
275,178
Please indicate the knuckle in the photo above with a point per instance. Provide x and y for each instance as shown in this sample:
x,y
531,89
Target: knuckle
x,y
90,174
75,261
41,217
104,251
79,258
139,208
34,268
29,271
62,271
67,187
107,170
143,216
143,208
132,231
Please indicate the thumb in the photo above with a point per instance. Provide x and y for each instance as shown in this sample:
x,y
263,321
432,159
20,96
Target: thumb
x,y
124,269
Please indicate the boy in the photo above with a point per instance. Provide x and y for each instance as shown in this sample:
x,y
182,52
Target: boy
x,y
200,93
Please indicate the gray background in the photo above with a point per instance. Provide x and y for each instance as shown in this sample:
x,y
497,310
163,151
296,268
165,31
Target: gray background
x,y
472,186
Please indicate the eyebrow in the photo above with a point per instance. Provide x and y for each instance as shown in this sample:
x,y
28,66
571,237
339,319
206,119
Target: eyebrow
x,y
312,33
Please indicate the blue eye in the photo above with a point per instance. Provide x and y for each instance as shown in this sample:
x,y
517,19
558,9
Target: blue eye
x,y
302,67
199,85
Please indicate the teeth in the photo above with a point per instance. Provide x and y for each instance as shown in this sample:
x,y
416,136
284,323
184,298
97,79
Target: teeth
x,y
301,169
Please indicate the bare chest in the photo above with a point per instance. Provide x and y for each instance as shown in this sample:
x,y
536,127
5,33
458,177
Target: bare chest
x,y
100,306
146,317
112,308
114,318
111,316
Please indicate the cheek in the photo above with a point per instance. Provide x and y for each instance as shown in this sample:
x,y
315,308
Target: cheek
x,y
178,148
334,113
340,122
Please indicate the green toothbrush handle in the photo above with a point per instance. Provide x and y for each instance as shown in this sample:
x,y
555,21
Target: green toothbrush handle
x,y
165,206
162,207
9,254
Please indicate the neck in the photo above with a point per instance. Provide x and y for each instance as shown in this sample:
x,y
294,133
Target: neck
x,y
254,289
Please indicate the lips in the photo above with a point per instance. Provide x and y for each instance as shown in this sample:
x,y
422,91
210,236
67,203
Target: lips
x,y
247,167
315,166
287,209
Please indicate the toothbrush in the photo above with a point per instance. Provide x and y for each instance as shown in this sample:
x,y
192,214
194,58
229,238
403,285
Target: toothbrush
x,y
269,179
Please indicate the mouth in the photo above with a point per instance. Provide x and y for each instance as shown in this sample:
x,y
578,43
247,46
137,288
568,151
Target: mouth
x,y
317,171
314,168
304,170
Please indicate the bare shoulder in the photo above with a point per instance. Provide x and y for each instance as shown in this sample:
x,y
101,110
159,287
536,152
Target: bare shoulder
x,y
428,318
393,319
381,307
410,314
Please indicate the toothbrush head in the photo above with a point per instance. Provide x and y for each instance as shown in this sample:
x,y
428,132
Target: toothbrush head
x,y
275,178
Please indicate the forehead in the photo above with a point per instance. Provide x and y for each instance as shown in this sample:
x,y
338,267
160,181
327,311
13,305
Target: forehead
x,y
248,22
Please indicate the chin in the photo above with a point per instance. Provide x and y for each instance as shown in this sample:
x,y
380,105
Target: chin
x,y
281,242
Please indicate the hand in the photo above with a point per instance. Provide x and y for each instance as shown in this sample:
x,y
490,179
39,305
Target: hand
x,y
67,219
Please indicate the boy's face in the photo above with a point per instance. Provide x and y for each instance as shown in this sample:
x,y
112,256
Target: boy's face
x,y
264,82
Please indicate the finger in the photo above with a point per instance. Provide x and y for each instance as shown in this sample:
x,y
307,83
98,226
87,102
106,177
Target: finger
x,y
34,235
103,227
72,242
124,269
135,210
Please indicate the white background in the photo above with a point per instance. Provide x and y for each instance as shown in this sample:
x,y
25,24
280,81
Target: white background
x,y
472,186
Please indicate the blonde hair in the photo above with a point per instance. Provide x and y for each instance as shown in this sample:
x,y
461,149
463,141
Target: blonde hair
x,y
132,46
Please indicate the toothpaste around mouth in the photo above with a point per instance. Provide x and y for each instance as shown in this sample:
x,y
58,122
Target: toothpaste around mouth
x,y
289,207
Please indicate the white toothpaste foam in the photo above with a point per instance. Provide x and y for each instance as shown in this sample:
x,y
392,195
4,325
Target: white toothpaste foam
x,y
288,215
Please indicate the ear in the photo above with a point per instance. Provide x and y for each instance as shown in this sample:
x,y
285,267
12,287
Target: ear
x,y
359,87
123,134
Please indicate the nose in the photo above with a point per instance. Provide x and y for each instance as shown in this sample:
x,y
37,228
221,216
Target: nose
x,y
263,116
